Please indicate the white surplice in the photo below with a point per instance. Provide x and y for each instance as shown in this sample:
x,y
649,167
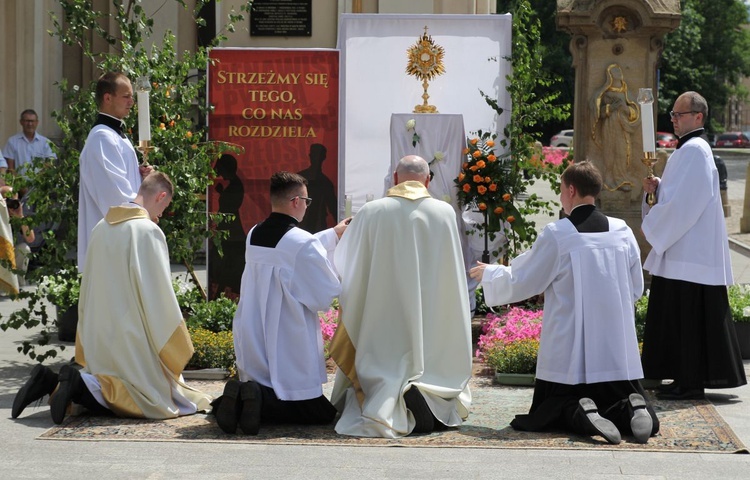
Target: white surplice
x,y
109,176
131,338
686,228
405,317
277,336
588,331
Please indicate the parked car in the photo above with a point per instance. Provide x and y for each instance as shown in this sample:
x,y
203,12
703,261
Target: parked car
x,y
733,140
665,140
563,139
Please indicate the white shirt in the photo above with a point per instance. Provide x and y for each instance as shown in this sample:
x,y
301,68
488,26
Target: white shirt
x,y
590,283
22,150
686,227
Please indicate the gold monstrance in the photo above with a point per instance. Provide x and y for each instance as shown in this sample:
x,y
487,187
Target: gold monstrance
x,y
425,62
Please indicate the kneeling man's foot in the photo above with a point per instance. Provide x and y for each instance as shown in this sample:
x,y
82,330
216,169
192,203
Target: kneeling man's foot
x,y
228,413
41,382
71,385
641,423
251,403
681,393
595,424
416,403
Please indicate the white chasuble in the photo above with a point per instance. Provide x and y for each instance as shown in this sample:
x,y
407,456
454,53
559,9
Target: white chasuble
x,y
405,317
277,336
109,176
131,336
588,330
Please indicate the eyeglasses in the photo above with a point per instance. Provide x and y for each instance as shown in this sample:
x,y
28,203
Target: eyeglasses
x,y
677,115
307,200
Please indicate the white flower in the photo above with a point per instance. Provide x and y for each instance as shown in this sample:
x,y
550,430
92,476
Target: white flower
x,y
746,312
438,155
410,125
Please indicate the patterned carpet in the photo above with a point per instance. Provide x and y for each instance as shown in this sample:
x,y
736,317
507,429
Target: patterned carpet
x,y
686,426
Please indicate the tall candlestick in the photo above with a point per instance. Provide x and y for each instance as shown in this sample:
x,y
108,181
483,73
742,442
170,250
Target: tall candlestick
x,y
142,88
646,100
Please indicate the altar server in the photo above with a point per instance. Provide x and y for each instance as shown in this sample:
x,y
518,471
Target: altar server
x,y
288,278
109,171
131,341
689,334
588,267
403,345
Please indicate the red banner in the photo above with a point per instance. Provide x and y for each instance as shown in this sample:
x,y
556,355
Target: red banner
x,y
282,107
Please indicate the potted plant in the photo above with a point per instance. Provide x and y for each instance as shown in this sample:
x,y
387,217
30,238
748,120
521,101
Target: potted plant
x,y
63,290
510,342
739,304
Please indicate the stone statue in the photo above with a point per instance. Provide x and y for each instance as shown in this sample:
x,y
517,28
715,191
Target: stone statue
x,y
615,118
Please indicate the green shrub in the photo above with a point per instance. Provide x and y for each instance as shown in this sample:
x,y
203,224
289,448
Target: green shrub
x,y
518,356
739,300
641,307
214,315
212,350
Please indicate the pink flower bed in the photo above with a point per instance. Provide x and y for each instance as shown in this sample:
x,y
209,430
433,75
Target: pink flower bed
x,y
553,155
517,324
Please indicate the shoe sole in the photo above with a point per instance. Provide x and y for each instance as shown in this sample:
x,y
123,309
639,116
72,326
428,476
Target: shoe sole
x,y
20,402
251,404
226,415
601,425
641,423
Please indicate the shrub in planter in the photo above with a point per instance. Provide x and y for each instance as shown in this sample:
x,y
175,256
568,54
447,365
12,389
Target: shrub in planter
x,y
518,356
739,302
214,315
212,350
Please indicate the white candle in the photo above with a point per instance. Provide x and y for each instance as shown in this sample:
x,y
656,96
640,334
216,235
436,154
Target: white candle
x,y
646,100
143,87
347,206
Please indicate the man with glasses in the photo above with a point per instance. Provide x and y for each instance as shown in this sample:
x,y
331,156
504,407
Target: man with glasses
x,y
109,171
23,147
689,334
288,278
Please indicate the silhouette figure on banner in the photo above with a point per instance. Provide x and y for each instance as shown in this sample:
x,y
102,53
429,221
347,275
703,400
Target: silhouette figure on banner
x,y
320,188
226,271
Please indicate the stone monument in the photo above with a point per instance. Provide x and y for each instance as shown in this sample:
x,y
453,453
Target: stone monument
x,y
616,48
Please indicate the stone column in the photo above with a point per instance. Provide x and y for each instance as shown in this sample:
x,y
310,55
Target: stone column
x,y
616,47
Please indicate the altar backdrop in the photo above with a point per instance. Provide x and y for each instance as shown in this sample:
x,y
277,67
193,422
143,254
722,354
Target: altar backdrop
x,y
374,84
281,106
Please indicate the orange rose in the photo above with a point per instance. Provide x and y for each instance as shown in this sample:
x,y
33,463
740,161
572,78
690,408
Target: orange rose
x,y
490,143
481,164
476,154
171,123
465,166
189,134
491,157
506,197
487,180
481,189
461,176
465,151
511,219
473,168
194,146
493,187
482,206
467,188
477,178
474,141
162,126
499,210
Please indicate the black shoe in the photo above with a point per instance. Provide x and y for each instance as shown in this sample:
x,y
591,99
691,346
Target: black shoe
x,y
416,403
595,424
251,403
71,385
641,423
228,413
680,393
41,382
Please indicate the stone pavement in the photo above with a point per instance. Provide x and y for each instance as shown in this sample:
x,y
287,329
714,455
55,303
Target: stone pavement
x,y
22,456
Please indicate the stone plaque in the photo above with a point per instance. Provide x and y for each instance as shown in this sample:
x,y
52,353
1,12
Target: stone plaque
x,y
281,18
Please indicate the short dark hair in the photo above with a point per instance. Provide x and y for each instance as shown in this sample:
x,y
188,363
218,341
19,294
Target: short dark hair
x,y
107,84
28,111
285,185
698,104
157,182
585,177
